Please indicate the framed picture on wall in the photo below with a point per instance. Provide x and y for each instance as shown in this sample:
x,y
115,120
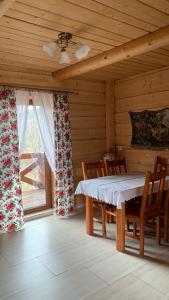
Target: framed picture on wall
x,y
150,128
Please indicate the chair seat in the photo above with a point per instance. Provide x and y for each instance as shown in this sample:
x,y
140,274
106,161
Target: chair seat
x,y
133,212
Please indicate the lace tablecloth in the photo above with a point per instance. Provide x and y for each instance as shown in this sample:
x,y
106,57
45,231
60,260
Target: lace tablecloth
x,y
113,189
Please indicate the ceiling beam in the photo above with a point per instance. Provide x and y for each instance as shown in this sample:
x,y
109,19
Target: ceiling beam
x,y
4,5
144,44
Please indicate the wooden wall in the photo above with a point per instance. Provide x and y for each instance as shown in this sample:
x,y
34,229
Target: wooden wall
x,y
87,111
146,91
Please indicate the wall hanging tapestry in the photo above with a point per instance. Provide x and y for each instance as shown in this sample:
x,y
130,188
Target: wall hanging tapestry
x,y
150,128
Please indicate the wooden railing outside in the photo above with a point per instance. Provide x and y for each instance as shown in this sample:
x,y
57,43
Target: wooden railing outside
x,y
38,161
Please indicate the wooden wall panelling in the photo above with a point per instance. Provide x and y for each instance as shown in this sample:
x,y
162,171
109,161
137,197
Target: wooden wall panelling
x,y
110,120
145,91
155,81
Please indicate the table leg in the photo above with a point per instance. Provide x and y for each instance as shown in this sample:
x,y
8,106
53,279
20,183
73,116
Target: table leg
x,y
89,215
120,229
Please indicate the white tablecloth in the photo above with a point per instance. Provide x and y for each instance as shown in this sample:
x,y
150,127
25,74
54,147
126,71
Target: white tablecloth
x,y
113,189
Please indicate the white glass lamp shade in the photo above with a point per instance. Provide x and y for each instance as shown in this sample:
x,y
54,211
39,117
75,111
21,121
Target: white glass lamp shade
x,y
82,51
50,49
64,57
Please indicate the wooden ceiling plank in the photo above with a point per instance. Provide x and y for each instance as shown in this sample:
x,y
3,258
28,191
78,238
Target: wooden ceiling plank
x,y
17,61
42,31
23,69
108,11
150,60
10,41
22,49
135,66
118,69
163,51
139,10
133,48
166,47
161,59
86,16
77,27
56,26
18,38
126,68
4,6
10,36
161,5
16,56
25,35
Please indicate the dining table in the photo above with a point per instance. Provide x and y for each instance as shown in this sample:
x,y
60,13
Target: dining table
x,y
115,190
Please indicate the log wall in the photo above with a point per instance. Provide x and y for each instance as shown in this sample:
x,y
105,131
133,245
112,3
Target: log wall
x,y
146,91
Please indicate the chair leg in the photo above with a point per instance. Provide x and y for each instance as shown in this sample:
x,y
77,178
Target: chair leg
x,y
103,221
166,225
142,237
134,230
158,230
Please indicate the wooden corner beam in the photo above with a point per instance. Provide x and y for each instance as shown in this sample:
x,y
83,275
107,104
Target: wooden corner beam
x,y
141,45
4,5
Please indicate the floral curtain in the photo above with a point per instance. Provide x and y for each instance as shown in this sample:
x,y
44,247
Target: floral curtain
x,y
11,209
64,194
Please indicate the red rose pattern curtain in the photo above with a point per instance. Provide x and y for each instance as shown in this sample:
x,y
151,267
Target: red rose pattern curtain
x,y
11,209
64,194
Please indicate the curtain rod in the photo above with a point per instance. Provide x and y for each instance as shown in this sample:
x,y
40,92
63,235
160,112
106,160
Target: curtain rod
x,y
41,89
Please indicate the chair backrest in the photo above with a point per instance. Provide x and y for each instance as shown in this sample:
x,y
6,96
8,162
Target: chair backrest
x,y
161,164
153,192
116,166
93,169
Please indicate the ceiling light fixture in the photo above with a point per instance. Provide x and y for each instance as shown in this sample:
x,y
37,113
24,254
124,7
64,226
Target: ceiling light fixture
x,y
62,43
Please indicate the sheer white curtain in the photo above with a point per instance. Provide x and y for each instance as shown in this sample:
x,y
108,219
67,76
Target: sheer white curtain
x,y
22,102
43,107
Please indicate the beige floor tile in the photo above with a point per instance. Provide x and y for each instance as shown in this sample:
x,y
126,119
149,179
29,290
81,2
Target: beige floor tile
x,y
130,288
75,286
4,266
156,273
77,254
115,266
53,258
15,279
152,249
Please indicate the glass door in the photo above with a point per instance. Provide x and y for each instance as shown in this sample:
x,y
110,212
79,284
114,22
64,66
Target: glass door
x,y
35,172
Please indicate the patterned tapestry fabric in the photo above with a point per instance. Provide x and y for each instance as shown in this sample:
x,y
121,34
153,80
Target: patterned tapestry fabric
x,y
11,209
64,192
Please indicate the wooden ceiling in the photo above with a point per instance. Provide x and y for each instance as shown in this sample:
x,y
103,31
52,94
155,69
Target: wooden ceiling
x,y
102,24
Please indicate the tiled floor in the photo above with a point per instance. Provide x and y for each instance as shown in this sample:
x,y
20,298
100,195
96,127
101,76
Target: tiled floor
x,y
54,259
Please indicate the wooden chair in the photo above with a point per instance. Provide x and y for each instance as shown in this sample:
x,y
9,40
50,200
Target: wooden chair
x,y
93,170
162,164
150,205
115,166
